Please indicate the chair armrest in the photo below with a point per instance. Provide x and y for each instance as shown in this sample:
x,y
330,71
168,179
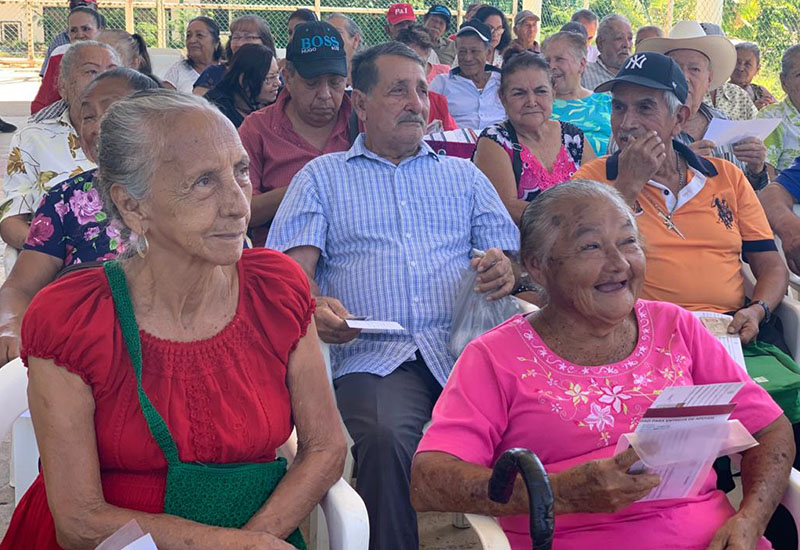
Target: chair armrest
x,y
344,511
791,499
13,394
489,532
346,516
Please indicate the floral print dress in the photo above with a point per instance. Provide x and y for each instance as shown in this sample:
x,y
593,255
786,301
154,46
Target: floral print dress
x,y
70,224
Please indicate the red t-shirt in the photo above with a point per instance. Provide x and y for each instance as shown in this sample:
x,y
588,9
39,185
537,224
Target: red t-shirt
x,y
440,111
224,398
48,90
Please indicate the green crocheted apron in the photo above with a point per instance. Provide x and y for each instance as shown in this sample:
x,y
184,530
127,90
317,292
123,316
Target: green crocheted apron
x,y
223,495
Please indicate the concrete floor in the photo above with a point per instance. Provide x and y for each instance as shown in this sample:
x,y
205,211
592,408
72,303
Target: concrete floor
x,y
17,88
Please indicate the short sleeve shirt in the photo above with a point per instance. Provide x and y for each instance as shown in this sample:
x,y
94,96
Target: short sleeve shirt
x,y
70,224
783,144
733,101
592,114
790,179
182,76
469,106
719,216
509,389
41,154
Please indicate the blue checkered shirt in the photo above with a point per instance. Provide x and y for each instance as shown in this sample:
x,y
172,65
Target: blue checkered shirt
x,y
395,241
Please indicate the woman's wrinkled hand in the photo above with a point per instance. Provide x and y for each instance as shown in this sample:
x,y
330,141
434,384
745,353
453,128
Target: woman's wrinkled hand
x,y
738,533
602,486
9,347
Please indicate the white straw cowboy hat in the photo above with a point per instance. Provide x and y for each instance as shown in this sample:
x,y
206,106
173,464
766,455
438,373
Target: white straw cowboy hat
x,y
689,35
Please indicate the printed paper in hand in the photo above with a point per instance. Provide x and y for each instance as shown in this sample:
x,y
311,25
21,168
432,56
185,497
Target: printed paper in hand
x,y
144,543
717,325
681,435
725,132
374,327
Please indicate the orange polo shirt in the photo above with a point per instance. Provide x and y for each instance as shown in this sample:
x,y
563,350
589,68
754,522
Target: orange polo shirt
x,y
720,218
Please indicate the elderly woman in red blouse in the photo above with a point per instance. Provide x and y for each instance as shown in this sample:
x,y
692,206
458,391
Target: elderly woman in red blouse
x,y
160,386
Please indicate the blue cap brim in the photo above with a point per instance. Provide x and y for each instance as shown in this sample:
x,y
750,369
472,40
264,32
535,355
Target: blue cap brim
x,y
318,67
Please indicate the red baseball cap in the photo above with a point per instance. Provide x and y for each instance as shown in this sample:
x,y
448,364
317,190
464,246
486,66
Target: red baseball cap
x,y
400,12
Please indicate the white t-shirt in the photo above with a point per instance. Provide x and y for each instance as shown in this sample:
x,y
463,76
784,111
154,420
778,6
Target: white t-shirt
x,y
182,76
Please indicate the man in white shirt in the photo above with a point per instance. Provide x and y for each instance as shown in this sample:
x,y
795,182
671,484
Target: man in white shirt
x,y
471,88
615,42
49,151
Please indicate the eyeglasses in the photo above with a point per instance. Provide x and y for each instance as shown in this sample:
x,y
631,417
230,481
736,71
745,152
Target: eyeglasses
x,y
497,30
240,37
272,77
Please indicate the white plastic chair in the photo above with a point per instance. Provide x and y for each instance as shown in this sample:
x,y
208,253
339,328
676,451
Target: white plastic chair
x,y
9,259
343,510
162,59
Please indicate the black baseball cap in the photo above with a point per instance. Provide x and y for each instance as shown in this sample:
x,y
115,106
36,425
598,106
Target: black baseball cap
x,y
651,70
317,48
441,11
476,26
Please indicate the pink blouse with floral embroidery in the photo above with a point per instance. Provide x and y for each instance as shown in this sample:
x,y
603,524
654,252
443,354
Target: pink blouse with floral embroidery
x,y
509,389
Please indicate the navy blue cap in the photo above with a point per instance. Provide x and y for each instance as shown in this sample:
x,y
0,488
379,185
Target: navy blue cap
x,y
317,48
441,11
651,70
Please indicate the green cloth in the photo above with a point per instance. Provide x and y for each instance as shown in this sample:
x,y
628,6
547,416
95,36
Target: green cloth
x,y
777,373
223,495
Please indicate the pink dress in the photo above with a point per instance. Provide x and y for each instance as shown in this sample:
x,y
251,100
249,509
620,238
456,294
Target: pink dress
x,y
509,389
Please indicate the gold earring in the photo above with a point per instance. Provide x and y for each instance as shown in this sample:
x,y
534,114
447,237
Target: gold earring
x,y
142,250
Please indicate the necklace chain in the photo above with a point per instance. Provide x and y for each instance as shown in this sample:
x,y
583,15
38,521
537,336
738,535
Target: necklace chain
x,y
666,217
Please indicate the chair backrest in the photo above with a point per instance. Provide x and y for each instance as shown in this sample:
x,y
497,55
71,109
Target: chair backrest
x,y
13,394
163,58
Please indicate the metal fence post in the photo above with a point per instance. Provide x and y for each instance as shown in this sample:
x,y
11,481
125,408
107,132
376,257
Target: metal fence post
x,y
29,25
318,9
129,26
161,24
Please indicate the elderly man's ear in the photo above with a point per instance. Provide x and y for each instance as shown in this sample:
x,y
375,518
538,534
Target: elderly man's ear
x,y
130,210
358,100
682,115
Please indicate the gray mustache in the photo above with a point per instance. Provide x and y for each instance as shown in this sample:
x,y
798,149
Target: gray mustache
x,y
412,118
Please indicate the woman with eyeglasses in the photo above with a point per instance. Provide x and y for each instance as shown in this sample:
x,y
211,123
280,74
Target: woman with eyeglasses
x,y
250,83
497,21
248,29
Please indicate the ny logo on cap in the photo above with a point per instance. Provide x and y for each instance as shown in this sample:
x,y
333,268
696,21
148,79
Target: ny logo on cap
x,y
636,61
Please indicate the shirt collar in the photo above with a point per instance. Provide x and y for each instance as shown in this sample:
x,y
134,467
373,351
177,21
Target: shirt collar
x,y
704,166
456,71
599,61
710,112
359,149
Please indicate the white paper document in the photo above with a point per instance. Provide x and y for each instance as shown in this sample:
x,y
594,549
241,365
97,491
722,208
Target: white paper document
x,y
725,132
373,327
717,325
681,435
144,543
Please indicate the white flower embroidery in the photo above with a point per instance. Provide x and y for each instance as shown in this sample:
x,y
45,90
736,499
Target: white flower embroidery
x,y
614,396
600,417
642,379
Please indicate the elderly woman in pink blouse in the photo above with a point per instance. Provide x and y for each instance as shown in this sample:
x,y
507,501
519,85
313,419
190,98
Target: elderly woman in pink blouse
x,y
567,381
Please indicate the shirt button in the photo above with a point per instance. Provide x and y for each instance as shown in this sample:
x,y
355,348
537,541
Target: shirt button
x,y
666,191
402,203
416,298
413,264
408,235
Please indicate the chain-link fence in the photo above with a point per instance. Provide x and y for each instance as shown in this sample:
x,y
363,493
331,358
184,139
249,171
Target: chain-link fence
x,y
28,26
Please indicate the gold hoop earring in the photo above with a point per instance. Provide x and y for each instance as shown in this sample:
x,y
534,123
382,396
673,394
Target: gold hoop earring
x,y
142,251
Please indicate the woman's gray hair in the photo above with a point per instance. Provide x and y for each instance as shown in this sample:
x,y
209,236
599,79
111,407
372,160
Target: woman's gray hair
x,y
132,140
791,57
350,25
539,226
576,42
751,47
73,53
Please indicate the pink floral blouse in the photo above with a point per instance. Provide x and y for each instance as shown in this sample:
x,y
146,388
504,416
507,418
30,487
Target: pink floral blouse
x,y
509,389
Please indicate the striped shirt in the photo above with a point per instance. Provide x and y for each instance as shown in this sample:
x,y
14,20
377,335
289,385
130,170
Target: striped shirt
x,y
394,243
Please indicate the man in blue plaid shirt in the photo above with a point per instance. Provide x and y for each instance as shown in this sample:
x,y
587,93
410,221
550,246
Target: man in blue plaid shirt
x,y
385,230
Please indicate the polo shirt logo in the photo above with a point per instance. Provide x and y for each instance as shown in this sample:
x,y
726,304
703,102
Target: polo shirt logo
x,y
724,212
636,61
